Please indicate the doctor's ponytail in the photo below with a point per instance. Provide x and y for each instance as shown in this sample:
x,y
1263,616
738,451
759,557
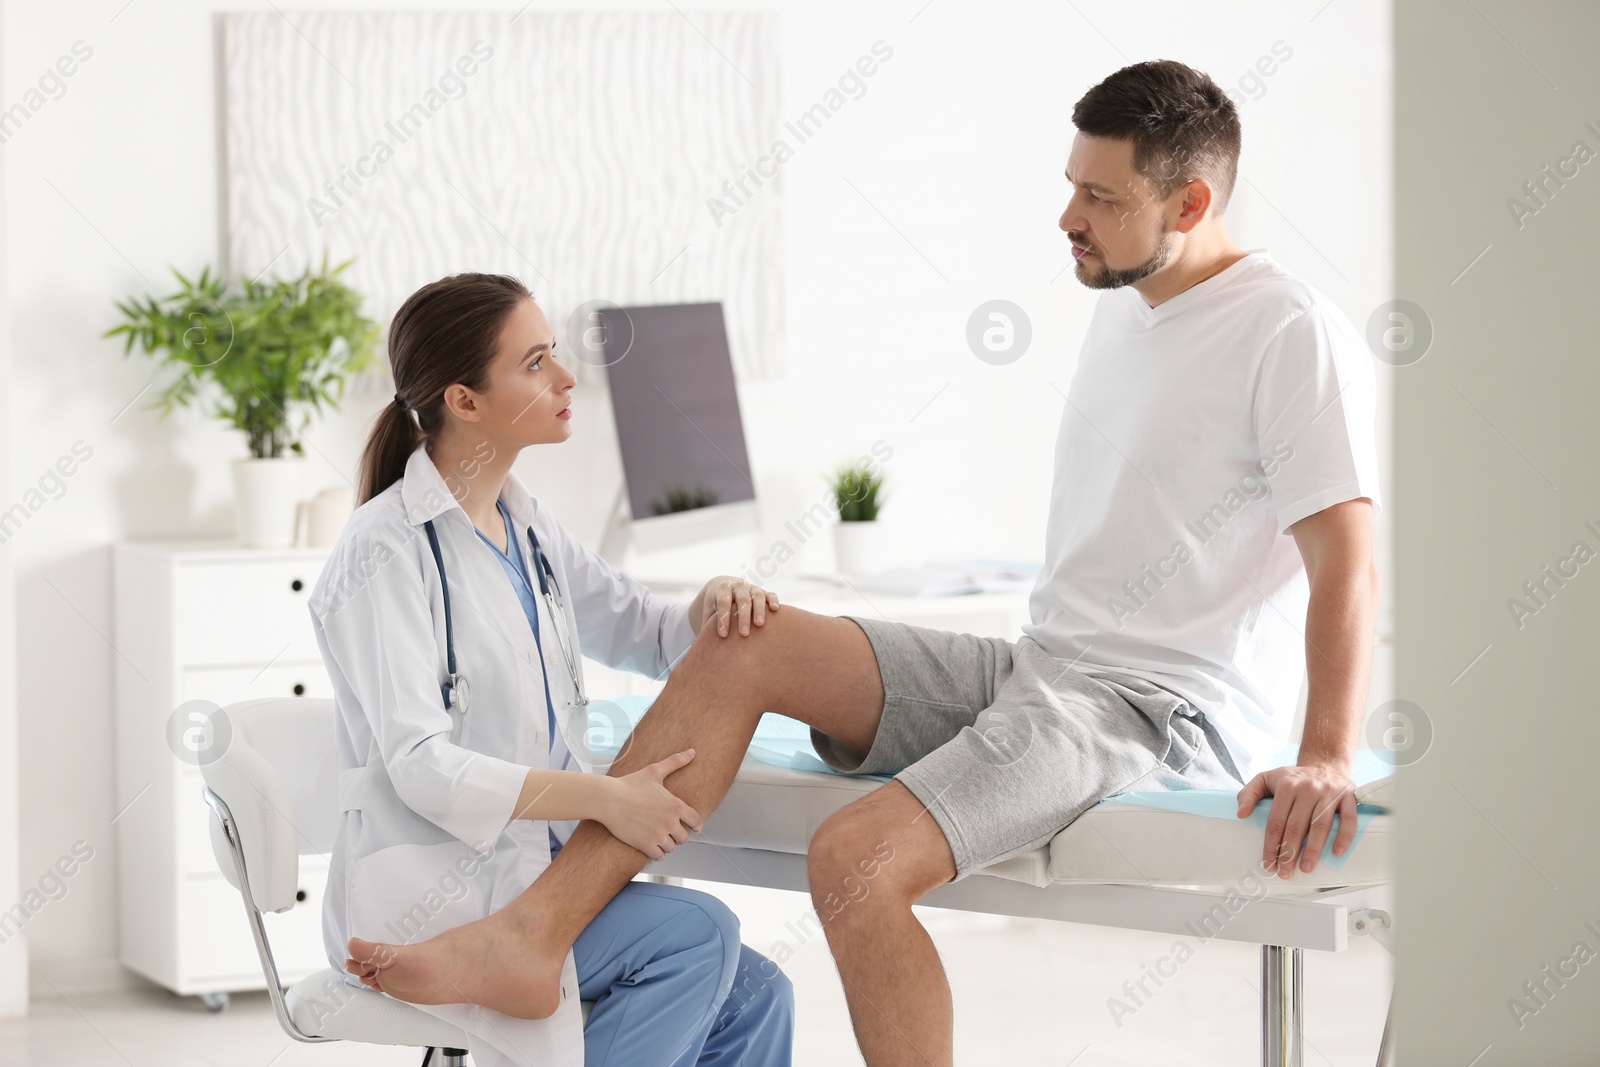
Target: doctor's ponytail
x,y
446,332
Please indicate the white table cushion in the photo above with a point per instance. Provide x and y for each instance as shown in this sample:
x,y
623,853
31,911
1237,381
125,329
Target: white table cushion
x,y
778,809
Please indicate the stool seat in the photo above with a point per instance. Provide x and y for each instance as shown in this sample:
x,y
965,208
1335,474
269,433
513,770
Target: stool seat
x,y
323,1004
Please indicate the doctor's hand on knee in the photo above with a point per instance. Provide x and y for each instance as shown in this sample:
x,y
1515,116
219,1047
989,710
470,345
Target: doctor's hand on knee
x,y
732,601
640,811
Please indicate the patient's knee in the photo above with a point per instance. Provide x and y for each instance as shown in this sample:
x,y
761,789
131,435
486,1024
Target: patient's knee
x,y
849,864
738,657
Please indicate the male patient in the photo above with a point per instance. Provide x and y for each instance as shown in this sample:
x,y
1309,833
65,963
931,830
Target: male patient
x,y
1209,540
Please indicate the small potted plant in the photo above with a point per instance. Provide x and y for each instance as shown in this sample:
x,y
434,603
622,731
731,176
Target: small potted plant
x,y
858,538
262,355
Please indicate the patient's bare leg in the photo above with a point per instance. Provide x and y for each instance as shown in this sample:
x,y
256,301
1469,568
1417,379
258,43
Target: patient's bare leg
x,y
815,668
868,863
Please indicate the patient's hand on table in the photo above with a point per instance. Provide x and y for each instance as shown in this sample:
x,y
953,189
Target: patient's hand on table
x,y
1305,799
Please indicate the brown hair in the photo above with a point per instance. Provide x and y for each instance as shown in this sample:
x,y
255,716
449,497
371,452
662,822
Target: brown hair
x,y
446,332
1182,125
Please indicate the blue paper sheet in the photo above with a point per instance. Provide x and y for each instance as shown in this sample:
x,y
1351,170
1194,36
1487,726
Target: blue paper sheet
x,y
784,742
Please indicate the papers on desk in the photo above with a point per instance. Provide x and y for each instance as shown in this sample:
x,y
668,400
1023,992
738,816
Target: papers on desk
x,y
953,579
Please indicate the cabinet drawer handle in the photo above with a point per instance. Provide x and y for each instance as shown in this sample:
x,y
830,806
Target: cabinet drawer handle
x,y
297,585
299,689
300,896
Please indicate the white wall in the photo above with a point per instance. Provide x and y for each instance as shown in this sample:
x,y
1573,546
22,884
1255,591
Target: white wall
x,y
959,142
1496,478
13,954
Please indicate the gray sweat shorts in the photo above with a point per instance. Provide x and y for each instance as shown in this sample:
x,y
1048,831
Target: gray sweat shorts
x,y
1005,745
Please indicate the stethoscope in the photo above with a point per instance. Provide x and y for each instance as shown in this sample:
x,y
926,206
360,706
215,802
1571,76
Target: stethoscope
x,y
456,691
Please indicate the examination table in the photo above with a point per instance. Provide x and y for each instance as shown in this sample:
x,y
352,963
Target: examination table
x,y
1177,863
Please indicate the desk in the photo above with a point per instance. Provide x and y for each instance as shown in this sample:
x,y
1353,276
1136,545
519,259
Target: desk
x,y
984,614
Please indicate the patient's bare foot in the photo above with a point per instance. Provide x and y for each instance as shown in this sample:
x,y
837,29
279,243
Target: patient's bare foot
x,y
496,962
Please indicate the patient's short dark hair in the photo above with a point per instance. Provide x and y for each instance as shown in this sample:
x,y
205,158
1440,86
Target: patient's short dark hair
x,y
1182,125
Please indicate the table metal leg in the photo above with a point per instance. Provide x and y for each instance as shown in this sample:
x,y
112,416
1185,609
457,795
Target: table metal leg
x,y
1386,1046
1280,1006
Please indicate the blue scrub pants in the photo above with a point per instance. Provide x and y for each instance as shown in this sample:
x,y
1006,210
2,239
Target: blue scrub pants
x,y
672,985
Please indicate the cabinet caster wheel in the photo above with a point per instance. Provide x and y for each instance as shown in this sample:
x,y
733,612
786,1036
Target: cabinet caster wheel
x,y
214,1002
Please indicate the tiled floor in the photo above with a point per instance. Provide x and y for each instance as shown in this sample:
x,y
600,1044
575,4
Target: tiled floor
x,y
1026,992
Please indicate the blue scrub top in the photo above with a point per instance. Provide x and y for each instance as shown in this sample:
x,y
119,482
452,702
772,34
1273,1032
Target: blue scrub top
x,y
517,570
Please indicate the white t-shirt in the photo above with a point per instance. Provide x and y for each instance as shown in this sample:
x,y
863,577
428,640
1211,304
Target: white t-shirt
x,y
1195,433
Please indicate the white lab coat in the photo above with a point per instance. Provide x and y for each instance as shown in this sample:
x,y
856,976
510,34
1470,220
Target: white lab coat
x,y
426,840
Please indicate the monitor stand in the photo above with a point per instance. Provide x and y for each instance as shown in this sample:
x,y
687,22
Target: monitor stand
x,y
614,535
614,541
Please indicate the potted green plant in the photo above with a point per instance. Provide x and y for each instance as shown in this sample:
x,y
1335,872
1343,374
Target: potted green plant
x,y
264,356
858,547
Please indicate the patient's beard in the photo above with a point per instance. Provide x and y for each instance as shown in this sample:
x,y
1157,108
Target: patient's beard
x,y
1110,277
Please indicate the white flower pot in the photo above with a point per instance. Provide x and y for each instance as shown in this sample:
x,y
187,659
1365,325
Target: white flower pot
x,y
860,549
266,496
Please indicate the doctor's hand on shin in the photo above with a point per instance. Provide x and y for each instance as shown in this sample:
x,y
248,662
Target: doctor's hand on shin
x,y
640,811
732,602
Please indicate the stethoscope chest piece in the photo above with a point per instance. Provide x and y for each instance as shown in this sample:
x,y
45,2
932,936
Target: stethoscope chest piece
x,y
457,693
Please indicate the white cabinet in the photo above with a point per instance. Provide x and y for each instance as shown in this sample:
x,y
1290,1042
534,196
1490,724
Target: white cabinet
x,y
203,620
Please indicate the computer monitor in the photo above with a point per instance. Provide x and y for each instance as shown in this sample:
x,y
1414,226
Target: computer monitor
x,y
678,424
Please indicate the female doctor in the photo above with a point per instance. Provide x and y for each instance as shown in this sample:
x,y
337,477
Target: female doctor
x,y
452,616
